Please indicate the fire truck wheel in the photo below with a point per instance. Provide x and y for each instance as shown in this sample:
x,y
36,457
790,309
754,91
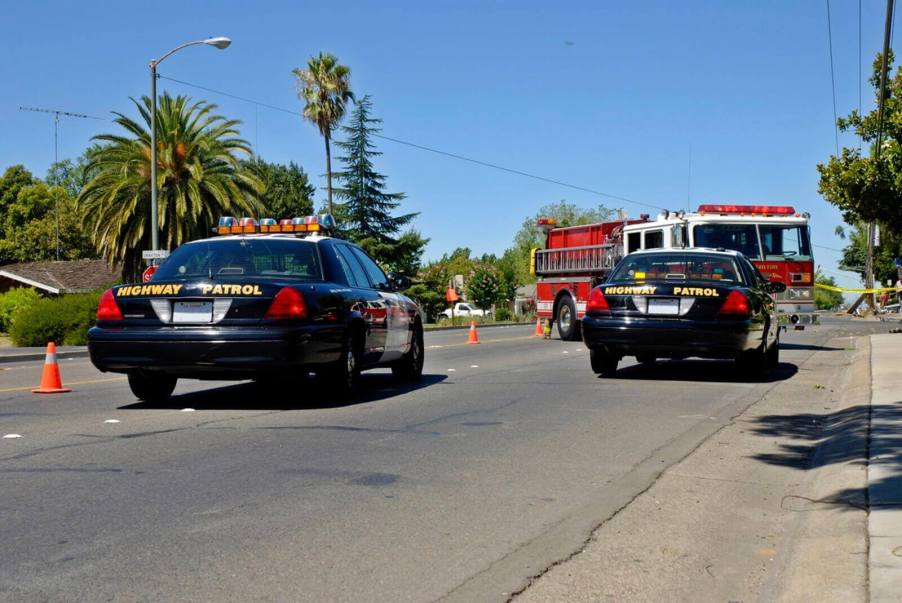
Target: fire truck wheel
x,y
603,363
567,322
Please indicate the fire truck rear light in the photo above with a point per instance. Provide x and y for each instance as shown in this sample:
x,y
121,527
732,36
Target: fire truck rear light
x,y
735,306
546,222
762,210
108,309
288,304
597,302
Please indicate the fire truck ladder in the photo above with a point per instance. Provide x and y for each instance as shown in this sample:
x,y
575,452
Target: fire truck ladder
x,y
591,258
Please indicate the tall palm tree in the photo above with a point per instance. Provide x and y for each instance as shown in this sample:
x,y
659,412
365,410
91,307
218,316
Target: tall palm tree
x,y
199,178
325,87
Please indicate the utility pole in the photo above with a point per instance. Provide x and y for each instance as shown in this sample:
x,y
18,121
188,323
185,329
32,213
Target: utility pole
x,y
881,98
56,122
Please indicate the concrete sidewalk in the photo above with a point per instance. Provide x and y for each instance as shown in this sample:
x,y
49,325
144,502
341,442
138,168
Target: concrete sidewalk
x,y
13,354
885,469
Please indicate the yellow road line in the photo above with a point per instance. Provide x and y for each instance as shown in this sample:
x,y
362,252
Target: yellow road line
x,y
66,384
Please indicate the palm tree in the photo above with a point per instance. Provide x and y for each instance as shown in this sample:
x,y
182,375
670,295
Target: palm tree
x,y
326,89
199,178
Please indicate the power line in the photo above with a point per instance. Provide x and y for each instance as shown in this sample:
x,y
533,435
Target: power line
x,y
426,148
832,77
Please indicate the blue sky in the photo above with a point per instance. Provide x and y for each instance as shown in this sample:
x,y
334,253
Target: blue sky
x,y
604,95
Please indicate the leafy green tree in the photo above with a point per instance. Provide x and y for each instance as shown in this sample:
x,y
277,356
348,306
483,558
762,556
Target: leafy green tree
x,y
855,253
431,301
29,227
824,299
14,179
325,87
287,193
72,175
862,189
199,179
482,287
365,213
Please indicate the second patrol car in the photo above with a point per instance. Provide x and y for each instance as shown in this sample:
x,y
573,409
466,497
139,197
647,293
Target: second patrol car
x,y
267,299
676,303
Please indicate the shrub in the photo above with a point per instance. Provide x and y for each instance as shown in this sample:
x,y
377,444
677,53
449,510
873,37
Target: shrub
x,y
13,300
64,319
503,314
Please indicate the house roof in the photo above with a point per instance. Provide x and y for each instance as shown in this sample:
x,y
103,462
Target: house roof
x,y
69,276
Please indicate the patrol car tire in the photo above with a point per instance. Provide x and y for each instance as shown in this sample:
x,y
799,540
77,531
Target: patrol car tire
x,y
150,387
344,374
567,322
646,359
773,354
603,363
410,367
753,364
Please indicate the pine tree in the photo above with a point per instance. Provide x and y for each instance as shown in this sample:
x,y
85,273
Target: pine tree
x,y
365,213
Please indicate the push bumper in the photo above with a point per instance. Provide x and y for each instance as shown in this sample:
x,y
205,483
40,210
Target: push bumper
x,y
212,353
670,338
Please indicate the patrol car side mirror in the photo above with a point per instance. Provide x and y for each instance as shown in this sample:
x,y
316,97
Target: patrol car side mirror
x,y
398,281
776,287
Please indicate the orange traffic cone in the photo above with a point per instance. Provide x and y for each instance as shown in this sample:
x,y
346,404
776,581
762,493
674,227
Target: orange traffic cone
x,y
539,331
473,338
51,382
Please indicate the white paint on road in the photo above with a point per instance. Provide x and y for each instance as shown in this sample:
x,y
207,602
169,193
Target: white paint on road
x,y
112,421
452,370
566,352
11,436
187,410
474,366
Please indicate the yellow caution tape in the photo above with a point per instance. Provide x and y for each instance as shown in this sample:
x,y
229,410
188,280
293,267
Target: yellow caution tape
x,y
845,290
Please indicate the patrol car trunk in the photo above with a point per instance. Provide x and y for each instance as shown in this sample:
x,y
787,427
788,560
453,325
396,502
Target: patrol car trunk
x,y
196,303
699,300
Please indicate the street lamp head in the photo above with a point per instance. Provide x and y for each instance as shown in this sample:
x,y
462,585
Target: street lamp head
x,y
220,42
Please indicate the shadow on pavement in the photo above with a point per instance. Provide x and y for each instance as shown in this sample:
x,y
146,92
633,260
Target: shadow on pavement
x,y
808,346
839,437
305,393
719,371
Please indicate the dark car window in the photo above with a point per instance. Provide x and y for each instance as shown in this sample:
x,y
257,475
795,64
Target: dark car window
x,y
258,258
346,270
377,277
677,267
359,276
738,237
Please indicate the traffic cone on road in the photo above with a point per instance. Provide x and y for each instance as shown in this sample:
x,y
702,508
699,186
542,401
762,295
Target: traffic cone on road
x,y
539,331
474,337
51,382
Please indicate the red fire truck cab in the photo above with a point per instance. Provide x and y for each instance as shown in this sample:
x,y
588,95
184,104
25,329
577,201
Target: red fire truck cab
x,y
775,238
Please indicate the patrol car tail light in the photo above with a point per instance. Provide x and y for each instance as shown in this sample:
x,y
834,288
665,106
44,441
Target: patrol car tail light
x,y
108,309
288,304
735,306
597,302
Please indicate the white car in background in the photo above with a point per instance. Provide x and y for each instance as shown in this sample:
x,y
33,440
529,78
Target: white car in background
x,y
464,309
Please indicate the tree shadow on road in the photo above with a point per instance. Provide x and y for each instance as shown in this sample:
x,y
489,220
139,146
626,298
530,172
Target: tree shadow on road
x,y
840,437
299,394
719,371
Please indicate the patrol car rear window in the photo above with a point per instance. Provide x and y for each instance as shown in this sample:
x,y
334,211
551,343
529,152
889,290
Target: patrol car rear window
x,y
236,258
677,268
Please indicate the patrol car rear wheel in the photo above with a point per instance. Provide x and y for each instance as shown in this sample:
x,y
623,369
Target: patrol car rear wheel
x,y
645,359
773,354
603,363
753,364
343,376
567,322
410,367
151,387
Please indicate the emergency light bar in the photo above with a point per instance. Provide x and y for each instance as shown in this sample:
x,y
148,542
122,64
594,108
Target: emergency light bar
x,y
748,210
305,224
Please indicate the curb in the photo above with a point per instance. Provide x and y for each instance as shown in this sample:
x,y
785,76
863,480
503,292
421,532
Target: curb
x,y
478,326
27,356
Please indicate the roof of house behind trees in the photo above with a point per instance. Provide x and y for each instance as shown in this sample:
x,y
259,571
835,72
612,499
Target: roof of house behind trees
x,y
63,277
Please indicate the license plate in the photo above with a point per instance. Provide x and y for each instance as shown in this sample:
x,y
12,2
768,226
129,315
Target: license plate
x,y
185,311
667,307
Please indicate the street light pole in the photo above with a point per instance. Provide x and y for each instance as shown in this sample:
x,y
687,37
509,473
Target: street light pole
x,y
220,43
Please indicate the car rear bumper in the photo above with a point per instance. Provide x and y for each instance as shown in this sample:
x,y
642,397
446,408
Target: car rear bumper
x,y
670,338
220,353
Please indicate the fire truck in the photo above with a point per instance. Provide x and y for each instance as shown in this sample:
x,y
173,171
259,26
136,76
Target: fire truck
x,y
576,258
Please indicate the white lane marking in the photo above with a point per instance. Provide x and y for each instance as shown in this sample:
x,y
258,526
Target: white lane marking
x,y
566,352
452,370
112,421
10,436
187,410
474,366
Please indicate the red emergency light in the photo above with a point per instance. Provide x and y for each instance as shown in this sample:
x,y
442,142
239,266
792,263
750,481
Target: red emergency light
x,y
748,210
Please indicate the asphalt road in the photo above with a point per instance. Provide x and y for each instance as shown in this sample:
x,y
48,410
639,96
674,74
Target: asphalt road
x,y
497,465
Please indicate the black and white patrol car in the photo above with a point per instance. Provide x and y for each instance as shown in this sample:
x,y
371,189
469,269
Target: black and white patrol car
x,y
252,305
677,303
